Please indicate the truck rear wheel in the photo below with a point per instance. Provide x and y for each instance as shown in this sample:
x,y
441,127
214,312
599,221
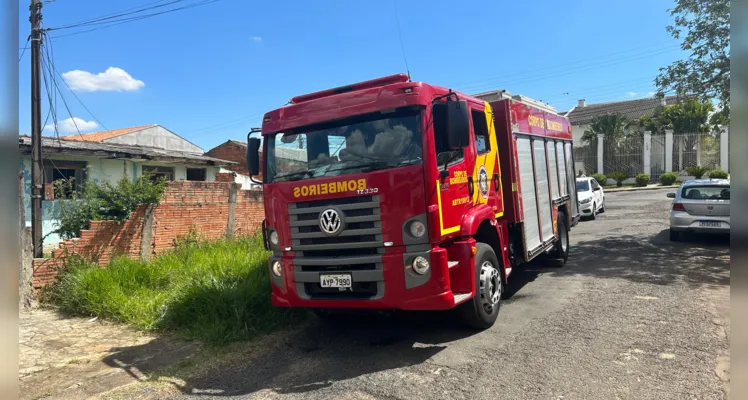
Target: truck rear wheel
x,y
483,309
561,251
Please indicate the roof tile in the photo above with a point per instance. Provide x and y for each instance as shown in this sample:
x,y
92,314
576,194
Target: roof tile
x,y
103,135
631,109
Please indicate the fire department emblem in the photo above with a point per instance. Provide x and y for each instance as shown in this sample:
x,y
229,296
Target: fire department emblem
x,y
330,222
483,181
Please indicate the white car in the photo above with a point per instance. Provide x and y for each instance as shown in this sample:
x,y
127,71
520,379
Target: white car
x,y
700,205
591,197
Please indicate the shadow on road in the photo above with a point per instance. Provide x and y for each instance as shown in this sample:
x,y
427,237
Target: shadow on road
x,y
313,357
320,353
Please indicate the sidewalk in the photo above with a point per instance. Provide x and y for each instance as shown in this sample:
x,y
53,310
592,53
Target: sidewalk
x,y
77,358
655,186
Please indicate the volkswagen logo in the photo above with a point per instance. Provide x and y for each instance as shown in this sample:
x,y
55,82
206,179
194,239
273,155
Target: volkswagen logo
x,y
330,221
710,207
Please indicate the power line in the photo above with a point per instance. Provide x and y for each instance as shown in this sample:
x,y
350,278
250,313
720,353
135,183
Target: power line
x,y
122,13
75,95
28,39
114,22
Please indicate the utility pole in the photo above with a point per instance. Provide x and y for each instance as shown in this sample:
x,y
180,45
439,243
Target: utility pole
x,y
36,128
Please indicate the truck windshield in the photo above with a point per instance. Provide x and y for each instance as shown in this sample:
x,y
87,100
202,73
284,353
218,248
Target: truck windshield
x,y
385,139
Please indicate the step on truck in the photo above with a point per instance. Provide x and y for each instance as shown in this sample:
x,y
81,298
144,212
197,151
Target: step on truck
x,y
398,195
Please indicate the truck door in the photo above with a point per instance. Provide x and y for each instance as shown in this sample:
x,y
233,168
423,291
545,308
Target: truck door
x,y
486,172
453,191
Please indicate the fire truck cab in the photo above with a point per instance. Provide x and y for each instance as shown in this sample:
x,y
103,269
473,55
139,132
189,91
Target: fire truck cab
x,y
394,194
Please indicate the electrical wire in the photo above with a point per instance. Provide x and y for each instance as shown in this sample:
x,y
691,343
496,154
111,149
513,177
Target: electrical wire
x,y
114,22
28,39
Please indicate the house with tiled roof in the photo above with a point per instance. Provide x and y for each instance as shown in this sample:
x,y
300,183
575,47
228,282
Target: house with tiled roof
x,y
582,114
109,156
147,135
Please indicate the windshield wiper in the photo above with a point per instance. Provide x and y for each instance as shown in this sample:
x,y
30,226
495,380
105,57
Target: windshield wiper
x,y
294,176
377,165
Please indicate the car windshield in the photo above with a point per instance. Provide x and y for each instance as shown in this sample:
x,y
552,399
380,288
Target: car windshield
x,y
583,186
721,192
385,139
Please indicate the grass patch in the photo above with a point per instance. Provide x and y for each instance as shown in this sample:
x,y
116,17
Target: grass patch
x,y
216,292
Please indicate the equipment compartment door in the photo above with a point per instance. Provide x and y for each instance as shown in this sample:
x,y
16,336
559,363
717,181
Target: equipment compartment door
x,y
544,194
486,174
531,229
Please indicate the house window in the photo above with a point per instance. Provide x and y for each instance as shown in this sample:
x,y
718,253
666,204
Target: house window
x,y
157,172
482,144
195,174
69,175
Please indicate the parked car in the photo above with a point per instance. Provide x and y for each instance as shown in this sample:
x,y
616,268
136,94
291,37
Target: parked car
x,y
591,197
700,205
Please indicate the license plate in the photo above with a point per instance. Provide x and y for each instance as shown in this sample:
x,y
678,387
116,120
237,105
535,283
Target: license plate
x,y
710,224
335,281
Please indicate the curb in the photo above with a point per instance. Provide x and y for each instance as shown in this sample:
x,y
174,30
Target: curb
x,y
634,189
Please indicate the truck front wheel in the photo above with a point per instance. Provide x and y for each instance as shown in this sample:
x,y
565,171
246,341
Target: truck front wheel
x,y
482,310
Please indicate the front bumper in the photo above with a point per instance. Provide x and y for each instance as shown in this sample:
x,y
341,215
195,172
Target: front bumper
x,y
685,222
585,209
395,286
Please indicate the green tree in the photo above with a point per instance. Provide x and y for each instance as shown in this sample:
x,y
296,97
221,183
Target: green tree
x,y
613,126
705,29
690,116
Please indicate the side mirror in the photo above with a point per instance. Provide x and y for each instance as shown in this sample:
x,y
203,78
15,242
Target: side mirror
x,y
597,189
458,124
253,156
671,195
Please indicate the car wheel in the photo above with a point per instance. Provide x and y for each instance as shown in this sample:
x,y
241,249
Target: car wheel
x,y
602,207
674,236
483,309
594,211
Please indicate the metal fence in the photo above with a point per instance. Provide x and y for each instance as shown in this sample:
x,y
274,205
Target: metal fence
x,y
625,155
695,150
586,154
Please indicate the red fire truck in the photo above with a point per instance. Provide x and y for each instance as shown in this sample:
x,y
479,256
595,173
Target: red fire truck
x,y
394,194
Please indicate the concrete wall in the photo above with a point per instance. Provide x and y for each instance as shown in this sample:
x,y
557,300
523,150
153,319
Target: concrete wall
x,y
157,136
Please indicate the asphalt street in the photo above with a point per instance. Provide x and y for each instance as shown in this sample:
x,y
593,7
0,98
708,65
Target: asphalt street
x,y
631,316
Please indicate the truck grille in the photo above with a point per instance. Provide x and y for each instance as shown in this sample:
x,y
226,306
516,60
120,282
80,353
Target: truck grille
x,y
357,249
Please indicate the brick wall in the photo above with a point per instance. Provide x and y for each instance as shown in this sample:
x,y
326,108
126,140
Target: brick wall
x,y
233,151
184,206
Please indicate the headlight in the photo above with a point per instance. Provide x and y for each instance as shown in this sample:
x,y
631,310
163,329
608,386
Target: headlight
x,y
417,229
420,265
277,271
587,200
274,238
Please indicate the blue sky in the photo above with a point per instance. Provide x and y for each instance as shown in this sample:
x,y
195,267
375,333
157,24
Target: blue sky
x,y
209,73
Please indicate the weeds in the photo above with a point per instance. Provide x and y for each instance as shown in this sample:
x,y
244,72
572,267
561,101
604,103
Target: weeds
x,y
216,292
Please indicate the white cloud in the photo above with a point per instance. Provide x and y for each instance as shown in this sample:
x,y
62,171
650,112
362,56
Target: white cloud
x,y
112,80
631,94
256,38
650,94
69,126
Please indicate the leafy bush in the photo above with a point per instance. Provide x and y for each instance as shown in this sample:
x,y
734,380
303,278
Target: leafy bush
x,y
213,291
668,178
619,177
697,172
718,174
601,179
642,180
103,201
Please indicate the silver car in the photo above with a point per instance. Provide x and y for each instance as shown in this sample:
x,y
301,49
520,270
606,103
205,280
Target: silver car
x,y
700,205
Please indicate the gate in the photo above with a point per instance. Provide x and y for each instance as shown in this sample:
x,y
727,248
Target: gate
x,y
586,155
625,154
695,150
657,154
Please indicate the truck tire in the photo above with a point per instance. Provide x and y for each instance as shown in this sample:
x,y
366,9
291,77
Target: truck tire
x,y
561,250
482,310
